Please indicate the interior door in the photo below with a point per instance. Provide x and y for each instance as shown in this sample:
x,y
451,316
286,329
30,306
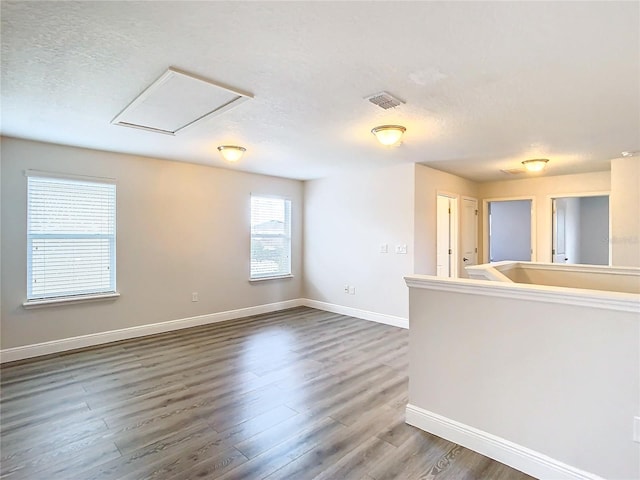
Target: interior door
x,y
559,253
469,231
443,237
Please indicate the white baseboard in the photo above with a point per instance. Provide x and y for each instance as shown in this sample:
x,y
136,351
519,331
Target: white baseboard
x,y
55,346
521,458
356,312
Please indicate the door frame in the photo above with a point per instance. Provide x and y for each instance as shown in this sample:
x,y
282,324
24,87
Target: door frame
x,y
454,240
485,224
548,206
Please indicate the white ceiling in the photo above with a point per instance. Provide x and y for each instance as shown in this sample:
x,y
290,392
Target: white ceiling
x,y
486,84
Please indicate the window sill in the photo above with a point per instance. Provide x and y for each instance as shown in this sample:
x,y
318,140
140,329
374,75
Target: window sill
x,y
52,302
262,279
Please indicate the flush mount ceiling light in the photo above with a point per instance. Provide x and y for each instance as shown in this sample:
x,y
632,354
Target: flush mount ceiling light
x,y
629,154
389,135
536,164
231,153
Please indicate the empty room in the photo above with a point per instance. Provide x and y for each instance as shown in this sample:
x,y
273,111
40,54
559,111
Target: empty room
x,y
319,240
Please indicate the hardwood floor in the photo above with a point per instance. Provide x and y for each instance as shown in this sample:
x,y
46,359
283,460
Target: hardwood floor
x,y
297,394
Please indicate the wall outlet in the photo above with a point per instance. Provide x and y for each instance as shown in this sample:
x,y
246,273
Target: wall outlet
x,y
194,297
636,429
352,290
384,248
401,249
346,289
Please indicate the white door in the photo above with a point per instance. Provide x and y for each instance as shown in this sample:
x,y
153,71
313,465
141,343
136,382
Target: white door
x,y
446,240
559,252
469,231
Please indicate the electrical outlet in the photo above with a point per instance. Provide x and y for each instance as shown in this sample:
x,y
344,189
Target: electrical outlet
x,y
401,249
194,297
636,429
346,289
352,290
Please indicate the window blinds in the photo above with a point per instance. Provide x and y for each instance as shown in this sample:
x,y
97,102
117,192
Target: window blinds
x,y
270,237
71,233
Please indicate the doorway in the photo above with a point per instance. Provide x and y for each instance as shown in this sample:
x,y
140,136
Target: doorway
x,y
580,230
446,235
510,230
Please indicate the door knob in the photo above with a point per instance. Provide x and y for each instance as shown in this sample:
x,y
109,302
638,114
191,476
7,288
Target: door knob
x,y
464,259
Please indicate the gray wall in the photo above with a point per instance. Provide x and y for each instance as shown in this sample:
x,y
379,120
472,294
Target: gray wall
x,y
428,183
625,208
594,230
560,379
510,230
347,217
181,228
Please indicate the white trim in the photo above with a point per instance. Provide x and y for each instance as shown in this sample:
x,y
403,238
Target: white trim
x,y
56,301
55,346
573,267
494,271
597,193
275,277
517,456
624,302
69,176
358,313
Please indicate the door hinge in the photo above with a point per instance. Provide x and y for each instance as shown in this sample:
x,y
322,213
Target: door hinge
x,y
449,211
450,252
476,212
476,250
553,251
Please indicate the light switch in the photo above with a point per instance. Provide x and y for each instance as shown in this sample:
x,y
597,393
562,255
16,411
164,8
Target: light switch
x,y
384,248
401,249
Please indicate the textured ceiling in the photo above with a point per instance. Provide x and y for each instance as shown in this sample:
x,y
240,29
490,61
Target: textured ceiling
x,y
486,84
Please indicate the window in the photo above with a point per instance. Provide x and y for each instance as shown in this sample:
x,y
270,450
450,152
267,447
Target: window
x,y
270,237
71,237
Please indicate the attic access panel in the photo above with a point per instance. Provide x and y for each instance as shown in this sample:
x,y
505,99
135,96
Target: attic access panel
x,y
176,101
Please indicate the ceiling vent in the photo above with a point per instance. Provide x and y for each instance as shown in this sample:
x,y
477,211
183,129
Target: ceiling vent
x,y
176,101
384,100
514,171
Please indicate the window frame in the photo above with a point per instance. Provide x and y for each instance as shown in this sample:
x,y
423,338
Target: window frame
x,y
78,295
287,236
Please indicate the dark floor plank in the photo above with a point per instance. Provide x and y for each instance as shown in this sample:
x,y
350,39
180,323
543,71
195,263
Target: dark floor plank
x,y
296,394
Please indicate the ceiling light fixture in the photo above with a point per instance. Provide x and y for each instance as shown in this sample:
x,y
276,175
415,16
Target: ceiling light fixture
x,y
536,164
389,135
231,153
629,154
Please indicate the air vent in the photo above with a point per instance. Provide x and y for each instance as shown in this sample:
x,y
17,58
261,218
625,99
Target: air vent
x,y
176,101
384,100
514,171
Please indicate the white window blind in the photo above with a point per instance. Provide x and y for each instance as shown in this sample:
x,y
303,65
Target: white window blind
x,y
270,237
71,237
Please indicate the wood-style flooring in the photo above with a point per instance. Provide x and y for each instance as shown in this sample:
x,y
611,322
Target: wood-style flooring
x,y
298,394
